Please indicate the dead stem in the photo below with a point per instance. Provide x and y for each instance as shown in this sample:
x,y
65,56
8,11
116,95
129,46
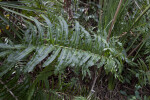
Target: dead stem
x,y
8,90
93,85
114,19
135,49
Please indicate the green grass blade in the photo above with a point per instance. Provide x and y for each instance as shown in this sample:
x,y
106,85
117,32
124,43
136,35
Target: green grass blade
x,y
16,13
139,17
17,6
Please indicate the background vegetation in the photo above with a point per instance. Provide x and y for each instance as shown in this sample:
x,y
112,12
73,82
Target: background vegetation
x,y
74,50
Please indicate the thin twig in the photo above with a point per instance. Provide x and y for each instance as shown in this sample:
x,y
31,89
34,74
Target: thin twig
x,y
92,89
8,90
114,19
93,85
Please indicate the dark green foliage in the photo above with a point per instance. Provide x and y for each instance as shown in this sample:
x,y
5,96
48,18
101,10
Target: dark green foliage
x,y
46,57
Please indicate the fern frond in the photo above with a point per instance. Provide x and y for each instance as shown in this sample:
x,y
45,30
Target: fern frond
x,y
52,46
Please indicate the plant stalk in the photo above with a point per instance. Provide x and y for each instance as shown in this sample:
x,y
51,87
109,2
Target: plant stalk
x,y
135,49
93,85
8,90
114,19
139,17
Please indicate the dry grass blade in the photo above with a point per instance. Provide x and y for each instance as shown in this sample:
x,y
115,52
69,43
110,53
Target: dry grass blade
x,y
8,90
114,19
135,49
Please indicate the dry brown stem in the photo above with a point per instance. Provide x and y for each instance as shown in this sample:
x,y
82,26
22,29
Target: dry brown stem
x,y
114,19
